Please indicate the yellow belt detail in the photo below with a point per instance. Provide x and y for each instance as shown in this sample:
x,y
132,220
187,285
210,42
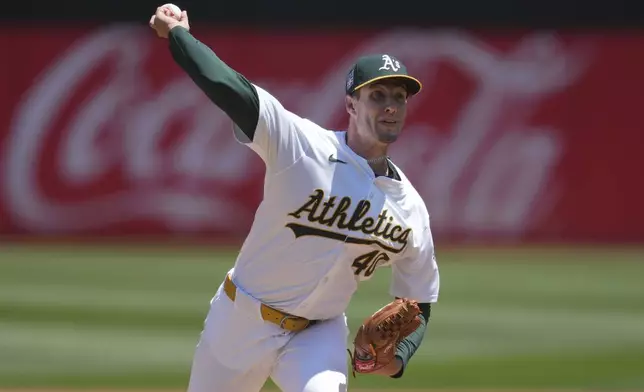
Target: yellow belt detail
x,y
283,320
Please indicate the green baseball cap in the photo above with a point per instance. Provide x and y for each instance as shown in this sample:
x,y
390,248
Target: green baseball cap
x,y
371,68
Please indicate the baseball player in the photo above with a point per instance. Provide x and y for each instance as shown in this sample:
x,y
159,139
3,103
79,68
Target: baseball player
x,y
335,208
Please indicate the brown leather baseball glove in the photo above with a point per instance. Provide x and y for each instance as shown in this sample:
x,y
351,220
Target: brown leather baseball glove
x,y
376,340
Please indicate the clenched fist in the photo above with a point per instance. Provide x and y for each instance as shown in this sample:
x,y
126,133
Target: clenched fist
x,y
163,21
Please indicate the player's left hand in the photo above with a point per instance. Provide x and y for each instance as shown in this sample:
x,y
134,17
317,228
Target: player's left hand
x,y
392,368
377,338
163,21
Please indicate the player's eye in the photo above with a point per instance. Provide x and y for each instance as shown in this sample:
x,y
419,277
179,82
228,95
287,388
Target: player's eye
x,y
400,97
378,95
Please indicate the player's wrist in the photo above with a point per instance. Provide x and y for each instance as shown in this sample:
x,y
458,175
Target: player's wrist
x,y
173,26
398,366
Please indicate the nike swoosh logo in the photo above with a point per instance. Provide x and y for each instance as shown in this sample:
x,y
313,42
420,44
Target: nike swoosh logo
x,y
335,160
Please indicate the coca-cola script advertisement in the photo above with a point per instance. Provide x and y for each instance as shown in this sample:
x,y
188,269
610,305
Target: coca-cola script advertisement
x,y
517,137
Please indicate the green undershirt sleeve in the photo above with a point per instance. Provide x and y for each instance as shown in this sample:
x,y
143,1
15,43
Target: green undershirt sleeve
x,y
408,346
225,87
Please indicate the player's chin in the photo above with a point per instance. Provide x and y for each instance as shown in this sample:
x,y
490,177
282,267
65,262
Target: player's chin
x,y
388,134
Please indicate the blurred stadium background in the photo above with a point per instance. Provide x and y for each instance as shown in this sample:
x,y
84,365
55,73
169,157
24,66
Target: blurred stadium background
x,y
123,197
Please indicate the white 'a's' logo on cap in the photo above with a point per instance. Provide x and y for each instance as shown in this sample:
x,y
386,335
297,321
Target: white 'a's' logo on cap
x,y
389,63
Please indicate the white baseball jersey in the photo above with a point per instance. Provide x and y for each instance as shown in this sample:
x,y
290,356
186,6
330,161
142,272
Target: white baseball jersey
x,y
326,222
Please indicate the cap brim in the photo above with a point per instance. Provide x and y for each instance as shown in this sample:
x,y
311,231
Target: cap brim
x,y
413,85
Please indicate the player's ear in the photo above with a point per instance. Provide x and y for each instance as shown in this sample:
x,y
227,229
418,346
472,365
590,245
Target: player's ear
x,y
350,104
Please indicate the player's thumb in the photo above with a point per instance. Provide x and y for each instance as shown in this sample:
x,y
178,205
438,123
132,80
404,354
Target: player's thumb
x,y
184,15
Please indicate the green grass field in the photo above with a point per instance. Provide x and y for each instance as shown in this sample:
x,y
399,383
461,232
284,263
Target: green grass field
x,y
534,318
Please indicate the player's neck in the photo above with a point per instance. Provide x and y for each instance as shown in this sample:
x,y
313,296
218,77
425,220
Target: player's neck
x,y
368,148
373,151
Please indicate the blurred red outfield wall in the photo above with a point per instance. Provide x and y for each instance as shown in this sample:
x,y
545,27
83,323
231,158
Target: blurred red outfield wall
x,y
515,138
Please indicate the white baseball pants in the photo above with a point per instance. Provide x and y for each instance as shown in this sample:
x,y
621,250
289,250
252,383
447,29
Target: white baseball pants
x,y
238,351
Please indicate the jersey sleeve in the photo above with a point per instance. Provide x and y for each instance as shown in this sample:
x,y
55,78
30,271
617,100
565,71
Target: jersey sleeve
x,y
280,137
417,277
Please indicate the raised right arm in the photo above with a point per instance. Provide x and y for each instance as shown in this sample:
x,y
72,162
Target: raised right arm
x,y
225,87
261,122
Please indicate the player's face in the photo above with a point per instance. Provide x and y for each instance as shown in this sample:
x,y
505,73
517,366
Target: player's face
x,y
381,109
